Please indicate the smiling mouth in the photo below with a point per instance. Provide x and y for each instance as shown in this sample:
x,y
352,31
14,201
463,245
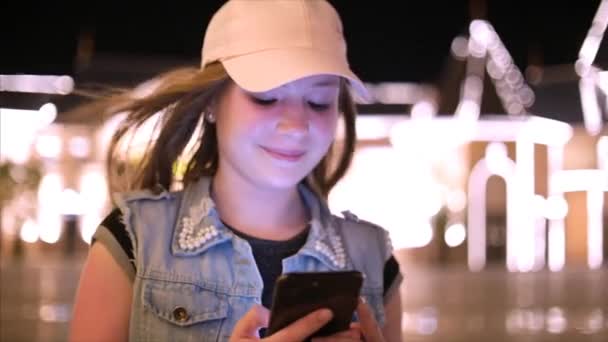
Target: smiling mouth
x,y
287,155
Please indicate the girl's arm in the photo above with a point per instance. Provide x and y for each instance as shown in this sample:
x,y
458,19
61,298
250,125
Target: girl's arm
x,y
103,300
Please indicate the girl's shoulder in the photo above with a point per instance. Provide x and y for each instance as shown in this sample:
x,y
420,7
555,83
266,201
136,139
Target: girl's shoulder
x,y
350,219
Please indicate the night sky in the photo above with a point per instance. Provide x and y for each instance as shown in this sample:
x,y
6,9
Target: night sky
x,y
406,41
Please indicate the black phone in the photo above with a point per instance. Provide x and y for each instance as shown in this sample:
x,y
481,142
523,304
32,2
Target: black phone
x,y
298,294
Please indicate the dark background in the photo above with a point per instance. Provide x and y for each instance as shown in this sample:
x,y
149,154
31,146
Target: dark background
x,y
397,40
124,43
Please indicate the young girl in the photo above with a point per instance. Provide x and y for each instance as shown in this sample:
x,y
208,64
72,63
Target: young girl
x,y
195,257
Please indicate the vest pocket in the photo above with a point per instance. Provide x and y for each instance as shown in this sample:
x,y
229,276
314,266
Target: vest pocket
x,y
185,305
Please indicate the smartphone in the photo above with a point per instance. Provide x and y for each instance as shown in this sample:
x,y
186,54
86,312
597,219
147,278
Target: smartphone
x,y
298,294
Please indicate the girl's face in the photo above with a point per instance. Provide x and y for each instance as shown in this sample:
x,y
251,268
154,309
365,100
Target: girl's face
x,y
273,139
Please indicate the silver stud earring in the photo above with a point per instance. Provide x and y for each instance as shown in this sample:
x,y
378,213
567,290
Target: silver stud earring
x,y
210,117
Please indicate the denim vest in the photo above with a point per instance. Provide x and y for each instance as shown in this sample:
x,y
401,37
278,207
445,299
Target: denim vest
x,y
195,278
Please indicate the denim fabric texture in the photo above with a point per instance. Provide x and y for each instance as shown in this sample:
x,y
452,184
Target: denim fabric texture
x,y
195,278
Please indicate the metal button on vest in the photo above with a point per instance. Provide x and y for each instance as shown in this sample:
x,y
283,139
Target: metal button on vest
x,y
180,314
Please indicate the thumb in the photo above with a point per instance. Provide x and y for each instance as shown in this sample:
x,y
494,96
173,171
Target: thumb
x,y
254,319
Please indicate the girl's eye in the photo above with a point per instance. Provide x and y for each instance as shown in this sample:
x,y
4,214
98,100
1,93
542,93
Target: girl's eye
x,y
319,106
263,102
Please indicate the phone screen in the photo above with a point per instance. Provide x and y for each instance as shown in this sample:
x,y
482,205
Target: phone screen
x,y
298,294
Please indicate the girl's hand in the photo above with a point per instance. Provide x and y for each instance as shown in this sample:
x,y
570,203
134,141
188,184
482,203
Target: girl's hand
x,y
257,317
367,323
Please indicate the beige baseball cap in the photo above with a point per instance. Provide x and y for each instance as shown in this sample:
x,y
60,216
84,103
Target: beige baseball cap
x,y
264,44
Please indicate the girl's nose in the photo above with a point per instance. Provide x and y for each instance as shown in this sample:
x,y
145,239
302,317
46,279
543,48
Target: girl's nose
x,y
295,120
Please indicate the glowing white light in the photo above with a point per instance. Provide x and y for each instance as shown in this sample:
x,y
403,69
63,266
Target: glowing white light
x,y
44,84
18,129
582,67
524,234
514,78
591,110
476,48
397,92
496,157
460,47
556,231
476,212
579,180
526,96
556,321
514,108
494,70
455,235
473,86
49,204
93,189
49,146
557,245
594,322
482,32
423,109
371,129
591,44
54,313
468,110
71,202
48,114
456,200
383,171
589,48
29,231
555,208
427,321
79,147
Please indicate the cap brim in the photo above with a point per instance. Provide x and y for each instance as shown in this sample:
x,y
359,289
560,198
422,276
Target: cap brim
x,y
266,70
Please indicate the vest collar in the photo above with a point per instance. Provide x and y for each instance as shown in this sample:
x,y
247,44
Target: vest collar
x,y
199,227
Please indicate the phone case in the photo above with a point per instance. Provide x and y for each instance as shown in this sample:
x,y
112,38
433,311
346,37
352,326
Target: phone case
x,y
297,294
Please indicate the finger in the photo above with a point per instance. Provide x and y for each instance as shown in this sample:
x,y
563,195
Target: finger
x,y
302,328
369,326
254,319
350,333
356,326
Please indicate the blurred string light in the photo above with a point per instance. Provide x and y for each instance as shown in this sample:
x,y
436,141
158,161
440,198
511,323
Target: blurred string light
x,y
18,130
484,51
524,218
49,206
42,84
594,182
590,76
29,231
455,234
396,177
94,194
424,321
495,163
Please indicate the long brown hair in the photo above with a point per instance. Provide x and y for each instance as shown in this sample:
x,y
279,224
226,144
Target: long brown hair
x,y
180,99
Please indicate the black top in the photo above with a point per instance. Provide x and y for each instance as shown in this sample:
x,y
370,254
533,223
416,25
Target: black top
x,y
268,254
